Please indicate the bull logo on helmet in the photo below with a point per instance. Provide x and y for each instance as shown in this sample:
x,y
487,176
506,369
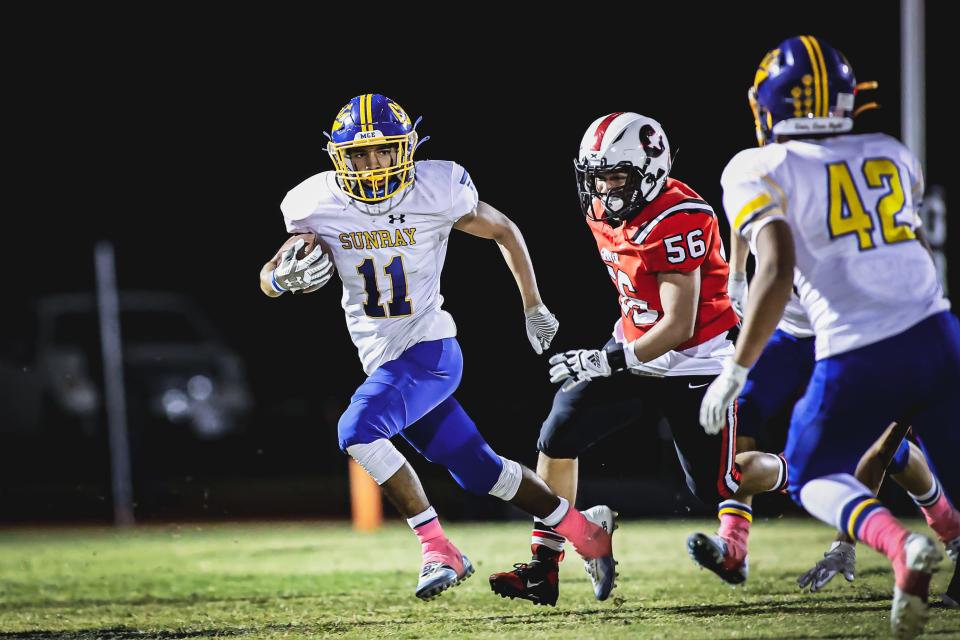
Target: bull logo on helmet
x,y
646,141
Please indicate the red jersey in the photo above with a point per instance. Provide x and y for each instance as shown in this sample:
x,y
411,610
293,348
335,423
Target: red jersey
x,y
678,231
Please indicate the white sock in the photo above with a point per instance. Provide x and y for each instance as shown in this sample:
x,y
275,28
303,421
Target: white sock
x,y
824,498
554,518
422,518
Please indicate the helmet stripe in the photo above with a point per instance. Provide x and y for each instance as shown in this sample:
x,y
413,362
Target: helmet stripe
x,y
816,74
823,76
602,129
363,112
369,112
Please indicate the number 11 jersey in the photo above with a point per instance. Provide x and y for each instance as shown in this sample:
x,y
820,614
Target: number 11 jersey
x,y
389,263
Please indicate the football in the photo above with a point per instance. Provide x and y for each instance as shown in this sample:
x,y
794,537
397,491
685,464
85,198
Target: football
x,y
310,241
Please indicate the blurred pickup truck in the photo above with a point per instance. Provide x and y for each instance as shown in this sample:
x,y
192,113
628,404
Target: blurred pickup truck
x,y
177,369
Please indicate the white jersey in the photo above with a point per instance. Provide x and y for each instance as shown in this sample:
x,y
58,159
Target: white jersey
x,y
704,359
795,320
852,203
390,263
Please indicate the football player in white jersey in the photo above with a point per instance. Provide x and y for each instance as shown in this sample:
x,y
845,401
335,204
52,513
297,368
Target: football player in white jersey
x,y
383,222
775,383
839,208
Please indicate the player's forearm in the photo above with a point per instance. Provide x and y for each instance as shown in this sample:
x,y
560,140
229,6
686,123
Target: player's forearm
x,y
515,254
771,287
739,252
665,336
266,280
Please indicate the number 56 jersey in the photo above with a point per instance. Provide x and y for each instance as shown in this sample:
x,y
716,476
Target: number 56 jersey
x,y
677,232
851,202
389,263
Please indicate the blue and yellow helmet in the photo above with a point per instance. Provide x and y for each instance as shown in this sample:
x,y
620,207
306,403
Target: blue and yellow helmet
x,y
372,120
803,87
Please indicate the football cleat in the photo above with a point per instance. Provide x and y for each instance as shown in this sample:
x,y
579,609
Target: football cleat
x,y
953,549
710,552
537,581
909,611
602,571
952,597
437,577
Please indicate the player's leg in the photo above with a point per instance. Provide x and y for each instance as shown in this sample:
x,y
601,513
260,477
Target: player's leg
x,y
717,474
774,385
449,437
841,557
577,419
939,425
393,397
848,396
911,470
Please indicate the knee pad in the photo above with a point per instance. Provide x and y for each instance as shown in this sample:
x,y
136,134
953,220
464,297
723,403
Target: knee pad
x,y
380,458
508,483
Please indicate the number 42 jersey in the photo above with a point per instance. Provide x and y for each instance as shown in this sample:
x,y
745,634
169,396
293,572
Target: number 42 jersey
x,y
389,263
851,202
677,232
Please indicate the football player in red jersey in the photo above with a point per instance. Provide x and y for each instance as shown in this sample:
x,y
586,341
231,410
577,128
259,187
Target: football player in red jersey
x,y
661,245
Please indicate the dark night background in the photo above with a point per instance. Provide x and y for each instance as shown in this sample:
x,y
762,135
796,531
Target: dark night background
x,y
177,142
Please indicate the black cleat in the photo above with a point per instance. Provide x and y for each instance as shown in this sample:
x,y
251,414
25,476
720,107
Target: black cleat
x,y
952,597
537,581
710,552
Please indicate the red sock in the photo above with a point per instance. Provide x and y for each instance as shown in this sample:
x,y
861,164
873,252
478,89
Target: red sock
x,y
590,540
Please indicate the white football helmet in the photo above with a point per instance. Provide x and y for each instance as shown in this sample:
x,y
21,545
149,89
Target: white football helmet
x,y
622,141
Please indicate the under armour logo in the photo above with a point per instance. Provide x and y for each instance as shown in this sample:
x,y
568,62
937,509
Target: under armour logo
x,y
400,217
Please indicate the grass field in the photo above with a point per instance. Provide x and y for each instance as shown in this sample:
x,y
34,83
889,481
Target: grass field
x,y
309,580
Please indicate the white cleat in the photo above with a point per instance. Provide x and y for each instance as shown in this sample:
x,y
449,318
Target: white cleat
x,y
953,549
910,610
952,597
602,571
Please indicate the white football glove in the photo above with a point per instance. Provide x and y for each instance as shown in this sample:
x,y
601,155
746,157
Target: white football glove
x,y
579,366
720,395
541,327
309,273
841,558
737,290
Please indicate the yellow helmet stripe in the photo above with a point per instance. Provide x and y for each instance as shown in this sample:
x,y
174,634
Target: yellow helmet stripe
x,y
369,112
816,74
363,113
823,75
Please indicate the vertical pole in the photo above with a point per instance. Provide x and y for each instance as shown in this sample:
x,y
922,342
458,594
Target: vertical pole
x,y
109,312
913,112
913,124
